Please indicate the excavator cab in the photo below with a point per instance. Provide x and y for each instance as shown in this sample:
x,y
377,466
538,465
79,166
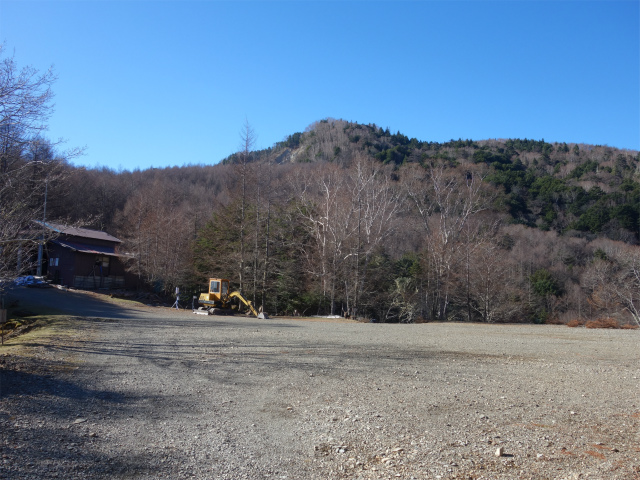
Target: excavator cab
x,y
218,290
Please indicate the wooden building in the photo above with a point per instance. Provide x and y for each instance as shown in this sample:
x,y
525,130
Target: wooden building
x,y
84,258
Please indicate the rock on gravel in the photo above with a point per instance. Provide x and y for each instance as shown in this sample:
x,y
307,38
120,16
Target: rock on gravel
x,y
173,395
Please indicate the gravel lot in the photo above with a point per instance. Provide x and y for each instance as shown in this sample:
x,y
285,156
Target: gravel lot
x,y
157,393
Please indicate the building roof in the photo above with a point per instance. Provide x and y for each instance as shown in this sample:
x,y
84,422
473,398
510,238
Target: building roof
x,y
84,248
80,232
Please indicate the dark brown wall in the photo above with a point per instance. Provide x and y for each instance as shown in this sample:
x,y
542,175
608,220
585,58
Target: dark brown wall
x,y
66,264
72,263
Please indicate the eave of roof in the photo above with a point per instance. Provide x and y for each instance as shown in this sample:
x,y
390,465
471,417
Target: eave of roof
x,y
92,249
79,232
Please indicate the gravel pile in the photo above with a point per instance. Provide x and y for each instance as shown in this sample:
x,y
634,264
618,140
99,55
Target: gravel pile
x,y
172,395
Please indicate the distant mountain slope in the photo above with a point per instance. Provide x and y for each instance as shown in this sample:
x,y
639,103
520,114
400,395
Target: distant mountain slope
x,y
571,188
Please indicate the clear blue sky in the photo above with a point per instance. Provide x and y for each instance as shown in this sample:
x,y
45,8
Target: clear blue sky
x,y
162,83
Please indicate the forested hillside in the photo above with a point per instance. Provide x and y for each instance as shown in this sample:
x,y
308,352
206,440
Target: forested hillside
x,y
350,218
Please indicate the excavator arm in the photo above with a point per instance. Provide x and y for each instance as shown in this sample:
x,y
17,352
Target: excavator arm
x,y
239,296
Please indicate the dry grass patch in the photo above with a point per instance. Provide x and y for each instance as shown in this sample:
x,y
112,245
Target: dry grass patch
x,y
595,454
30,328
604,322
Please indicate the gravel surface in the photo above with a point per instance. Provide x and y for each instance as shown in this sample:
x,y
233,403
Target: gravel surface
x,y
158,393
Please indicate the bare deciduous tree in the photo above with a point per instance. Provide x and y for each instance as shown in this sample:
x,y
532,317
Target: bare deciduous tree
x,y
27,162
320,201
156,222
444,201
376,198
613,282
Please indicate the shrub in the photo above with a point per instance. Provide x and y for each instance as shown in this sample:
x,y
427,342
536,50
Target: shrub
x,y
629,326
607,322
575,323
553,320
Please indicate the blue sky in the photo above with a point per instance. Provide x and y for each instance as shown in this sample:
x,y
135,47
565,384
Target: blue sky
x,y
161,83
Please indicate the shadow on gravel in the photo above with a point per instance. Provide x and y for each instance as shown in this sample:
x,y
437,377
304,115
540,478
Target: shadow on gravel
x,y
226,362
43,452
20,382
191,321
41,436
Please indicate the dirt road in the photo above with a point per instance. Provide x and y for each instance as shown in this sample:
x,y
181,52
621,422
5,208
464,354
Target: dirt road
x,y
175,395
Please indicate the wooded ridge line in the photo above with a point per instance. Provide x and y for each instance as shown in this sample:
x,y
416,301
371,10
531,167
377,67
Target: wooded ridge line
x,y
350,218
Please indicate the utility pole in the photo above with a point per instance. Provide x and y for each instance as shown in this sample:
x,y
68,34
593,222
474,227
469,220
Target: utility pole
x,y
44,219
355,303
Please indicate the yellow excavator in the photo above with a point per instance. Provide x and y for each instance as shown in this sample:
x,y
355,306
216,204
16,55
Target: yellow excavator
x,y
219,300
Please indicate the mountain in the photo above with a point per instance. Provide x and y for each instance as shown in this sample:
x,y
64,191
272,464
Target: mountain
x,y
350,218
574,189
